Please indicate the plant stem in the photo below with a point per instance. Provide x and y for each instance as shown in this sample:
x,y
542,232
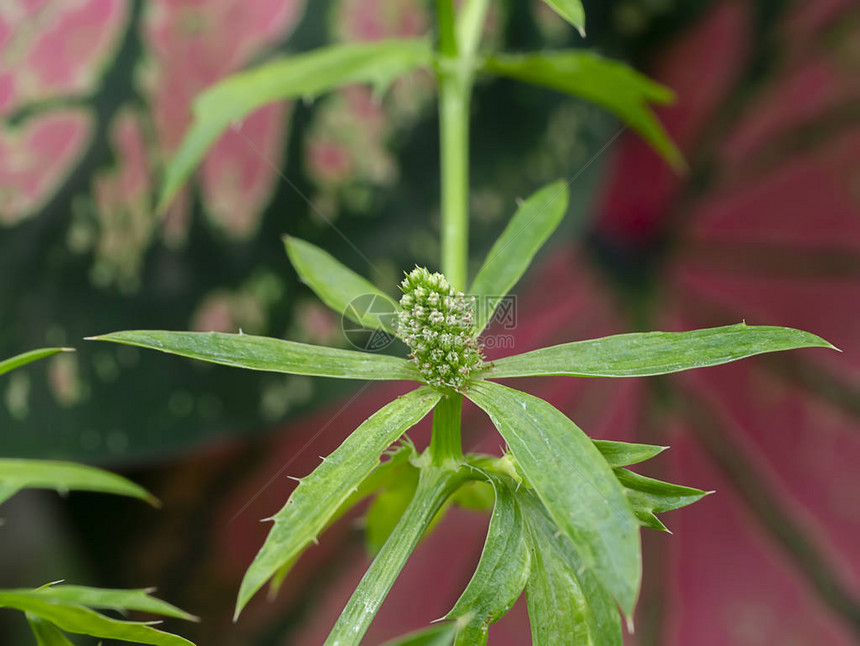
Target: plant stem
x,y
455,88
445,444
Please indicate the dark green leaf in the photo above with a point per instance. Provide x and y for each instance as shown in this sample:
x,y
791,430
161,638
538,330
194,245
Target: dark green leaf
x,y
566,603
654,353
267,354
611,84
340,288
435,486
513,252
64,476
34,355
570,10
501,575
622,454
573,481
46,633
323,492
83,621
649,496
301,76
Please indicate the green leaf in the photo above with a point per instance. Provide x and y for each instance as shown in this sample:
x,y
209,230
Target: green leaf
x,y
83,621
340,288
435,486
322,493
33,355
566,603
501,575
301,76
573,481
437,635
610,84
513,252
109,599
64,476
267,354
386,474
654,353
570,10
476,495
622,454
46,633
649,496
386,509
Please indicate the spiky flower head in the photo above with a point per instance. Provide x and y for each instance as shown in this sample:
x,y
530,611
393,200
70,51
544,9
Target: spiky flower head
x,y
436,324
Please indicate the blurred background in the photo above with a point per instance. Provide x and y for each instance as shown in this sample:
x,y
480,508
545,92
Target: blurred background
x,y
765,227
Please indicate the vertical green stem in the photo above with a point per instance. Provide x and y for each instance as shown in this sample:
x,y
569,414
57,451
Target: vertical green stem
x,y
445,444
455,86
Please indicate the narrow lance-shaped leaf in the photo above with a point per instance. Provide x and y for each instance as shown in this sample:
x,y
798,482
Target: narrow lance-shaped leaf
x,y
570,10
654,353
513,252
649,497
622,454
76,619
340,288
111,599
502,571
384,475
267,354
435,486
573,481
33,355
46,633
566,603
610,84
300,76
64,476
321,494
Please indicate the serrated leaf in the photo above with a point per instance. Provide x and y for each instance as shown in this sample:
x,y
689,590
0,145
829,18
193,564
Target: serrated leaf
x,y
63,477
434,487
340,288
570,10
512,253
501,574
573,481
46,633
385,474
301,76
112,599
622,454
83,621
268,354
19,360
610,84
654,353
566,603
322,493
437,635
649,496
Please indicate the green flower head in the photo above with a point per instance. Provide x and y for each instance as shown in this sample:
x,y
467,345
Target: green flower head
x,y
436,323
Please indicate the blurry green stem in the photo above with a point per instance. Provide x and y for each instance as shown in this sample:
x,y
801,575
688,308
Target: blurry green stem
x,y
457,46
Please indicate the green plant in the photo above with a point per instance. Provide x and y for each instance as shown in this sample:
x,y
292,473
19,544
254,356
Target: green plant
x,y
55,609
566,510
